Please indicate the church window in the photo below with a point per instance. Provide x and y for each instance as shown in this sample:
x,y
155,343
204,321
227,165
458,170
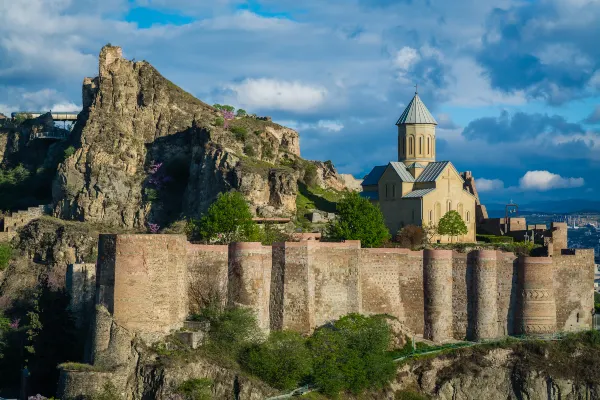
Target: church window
x,y
438,211
386,191
430,215
411,145
413,215
428,145
394,191
404,147
449,206
468,217
420,145
459,208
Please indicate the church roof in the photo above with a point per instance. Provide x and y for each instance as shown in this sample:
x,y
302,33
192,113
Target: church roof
x,y
418,193
432,171
402,172
373,177
416,113
416,165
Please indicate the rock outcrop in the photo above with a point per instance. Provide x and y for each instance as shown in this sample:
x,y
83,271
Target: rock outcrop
x,y
134,119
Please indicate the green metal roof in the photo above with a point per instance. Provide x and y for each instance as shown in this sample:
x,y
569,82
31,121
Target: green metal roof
x,y
416,113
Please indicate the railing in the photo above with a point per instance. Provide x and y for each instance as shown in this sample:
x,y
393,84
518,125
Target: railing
x,y
59,135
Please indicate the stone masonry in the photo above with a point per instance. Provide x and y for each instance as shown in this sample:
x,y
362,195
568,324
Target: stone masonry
x,y
144,283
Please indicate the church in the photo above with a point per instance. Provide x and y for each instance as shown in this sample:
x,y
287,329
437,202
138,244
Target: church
x,y
417,189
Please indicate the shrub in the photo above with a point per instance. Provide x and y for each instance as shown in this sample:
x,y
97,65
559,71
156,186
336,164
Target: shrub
x,y
196,389
350,354
358,219
5,255
151,194
231,328
69,151
219,121
249,150
227,219
240,133
411,236
267,150
452,224
282,361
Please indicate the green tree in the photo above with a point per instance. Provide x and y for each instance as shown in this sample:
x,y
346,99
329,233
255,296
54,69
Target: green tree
x,y
226,107
452,224
228,219
351,354
218,106
282,361
241,113
358,219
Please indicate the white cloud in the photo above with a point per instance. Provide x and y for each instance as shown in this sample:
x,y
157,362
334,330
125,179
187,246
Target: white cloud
x,y
276,94
406,57
326,125
544,180
488,185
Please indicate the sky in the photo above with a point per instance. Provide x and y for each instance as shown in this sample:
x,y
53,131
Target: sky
x,y
514,85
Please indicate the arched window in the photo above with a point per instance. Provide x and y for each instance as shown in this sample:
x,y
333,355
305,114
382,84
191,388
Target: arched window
x,y
449,206
459,208
428,145
420,145
394,191
438,211
468,216
430,215
404,147
411,145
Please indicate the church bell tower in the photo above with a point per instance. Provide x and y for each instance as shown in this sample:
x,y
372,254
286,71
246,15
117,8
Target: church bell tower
x,y
416,135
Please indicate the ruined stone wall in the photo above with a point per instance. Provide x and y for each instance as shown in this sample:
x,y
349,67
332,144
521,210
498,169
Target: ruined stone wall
x,y
81,285
207,275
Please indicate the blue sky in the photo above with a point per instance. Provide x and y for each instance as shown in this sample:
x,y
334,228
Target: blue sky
x,y
515,85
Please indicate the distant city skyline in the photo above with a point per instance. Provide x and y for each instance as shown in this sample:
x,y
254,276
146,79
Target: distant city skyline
x,y
514,86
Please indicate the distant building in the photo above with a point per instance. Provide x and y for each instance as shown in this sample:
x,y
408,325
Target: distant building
x,y
417,189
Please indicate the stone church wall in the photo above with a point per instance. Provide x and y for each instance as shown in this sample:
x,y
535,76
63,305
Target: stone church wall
x,y
145,282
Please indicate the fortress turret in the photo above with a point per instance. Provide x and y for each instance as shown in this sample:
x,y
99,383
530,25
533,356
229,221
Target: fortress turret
x,y
485,291
538,308
437,277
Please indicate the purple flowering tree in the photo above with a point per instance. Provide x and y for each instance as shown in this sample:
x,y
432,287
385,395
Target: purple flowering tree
x,y
15,323
227,116
153,228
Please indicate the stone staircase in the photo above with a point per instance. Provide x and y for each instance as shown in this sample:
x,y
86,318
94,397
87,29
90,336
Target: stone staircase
x,y
10,223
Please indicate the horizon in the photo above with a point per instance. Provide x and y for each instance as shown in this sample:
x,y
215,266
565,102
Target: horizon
x,y
515,86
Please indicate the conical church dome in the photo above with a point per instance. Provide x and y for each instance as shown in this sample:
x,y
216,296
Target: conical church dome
x,y
416,113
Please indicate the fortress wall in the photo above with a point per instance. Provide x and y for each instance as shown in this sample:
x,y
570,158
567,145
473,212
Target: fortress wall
x,y
336,268
538,308
249,275
559,237
411,291
81,286
206,274
508,293
380,271
484,295
461,289
437,276
574,289
142,281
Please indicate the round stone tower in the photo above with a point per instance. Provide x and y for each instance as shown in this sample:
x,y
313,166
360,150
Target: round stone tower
x,y
437,279
538,308
485,290
416,134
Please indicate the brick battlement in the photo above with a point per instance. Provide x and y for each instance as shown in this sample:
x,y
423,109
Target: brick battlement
x,y
150,283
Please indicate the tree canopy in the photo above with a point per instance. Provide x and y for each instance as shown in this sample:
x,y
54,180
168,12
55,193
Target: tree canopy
x,y
358,219
228,219
452,224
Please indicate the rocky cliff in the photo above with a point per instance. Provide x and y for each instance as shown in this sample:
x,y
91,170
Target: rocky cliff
x,y
147,151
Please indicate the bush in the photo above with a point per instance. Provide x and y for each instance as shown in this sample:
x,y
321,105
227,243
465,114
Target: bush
x,y
5,255
240,133
282,361
411,236
494,239
151,194
69,151
196,389
231,329
350,354
219,121
358,219
249,150
227,219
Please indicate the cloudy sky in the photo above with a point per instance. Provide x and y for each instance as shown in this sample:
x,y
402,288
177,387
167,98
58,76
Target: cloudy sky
x,y
514,85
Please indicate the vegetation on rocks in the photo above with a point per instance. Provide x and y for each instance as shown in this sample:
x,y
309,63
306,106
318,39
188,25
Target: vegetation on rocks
x,y
5,255
358,219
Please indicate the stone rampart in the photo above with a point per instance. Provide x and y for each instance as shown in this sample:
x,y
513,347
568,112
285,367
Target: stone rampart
x,y
145,282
